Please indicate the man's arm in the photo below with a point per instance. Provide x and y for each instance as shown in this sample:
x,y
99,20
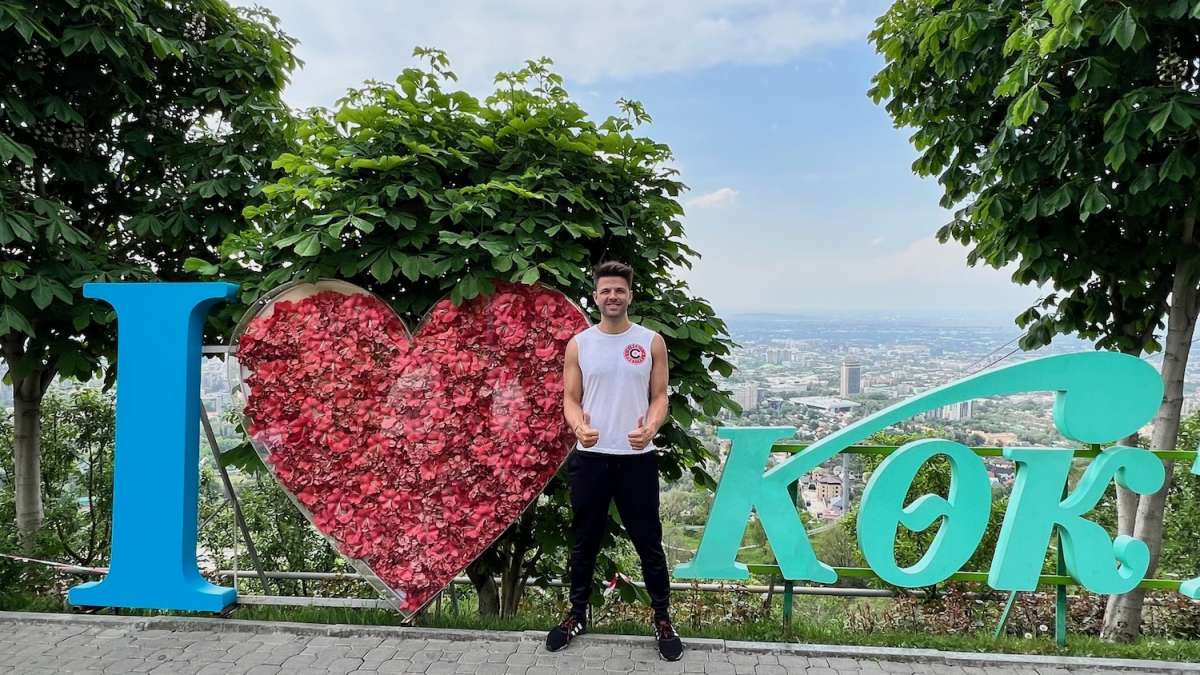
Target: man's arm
x,y
659,408
579,421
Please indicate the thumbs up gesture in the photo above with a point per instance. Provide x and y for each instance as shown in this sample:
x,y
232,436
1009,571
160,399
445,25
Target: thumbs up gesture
x,y
586,433
640,437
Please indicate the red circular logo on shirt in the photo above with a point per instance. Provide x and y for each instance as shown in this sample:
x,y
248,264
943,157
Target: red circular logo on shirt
x,y
635,354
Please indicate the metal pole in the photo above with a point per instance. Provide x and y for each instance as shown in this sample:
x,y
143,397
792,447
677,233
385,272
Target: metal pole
x,y
237,507
1060,591
789,588
836,591
1012,600
1060,595
788,596
846,482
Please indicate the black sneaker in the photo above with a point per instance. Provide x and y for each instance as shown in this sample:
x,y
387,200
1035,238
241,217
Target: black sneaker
x,y
670,647
561,635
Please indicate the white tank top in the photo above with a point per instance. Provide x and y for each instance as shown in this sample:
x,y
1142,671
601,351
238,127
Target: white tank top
x,y
616,385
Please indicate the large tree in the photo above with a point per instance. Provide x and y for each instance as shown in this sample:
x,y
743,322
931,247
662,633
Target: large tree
x,y
415,191
1064,133
77,448
132,133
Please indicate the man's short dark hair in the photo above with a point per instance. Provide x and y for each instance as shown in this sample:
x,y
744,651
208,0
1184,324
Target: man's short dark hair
x,y
612,268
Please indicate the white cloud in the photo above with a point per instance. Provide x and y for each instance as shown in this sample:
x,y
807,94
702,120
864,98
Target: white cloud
x,y
725,196
877,241
344,43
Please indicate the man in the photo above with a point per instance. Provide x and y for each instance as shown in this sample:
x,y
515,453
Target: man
x,y
615,399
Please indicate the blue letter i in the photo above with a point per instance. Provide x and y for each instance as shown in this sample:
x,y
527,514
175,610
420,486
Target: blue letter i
x,y
155,477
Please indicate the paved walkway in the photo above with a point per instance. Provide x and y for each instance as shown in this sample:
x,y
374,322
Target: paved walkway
x,y
63,643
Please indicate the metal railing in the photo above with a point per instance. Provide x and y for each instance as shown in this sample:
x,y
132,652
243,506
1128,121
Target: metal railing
x,y
788,589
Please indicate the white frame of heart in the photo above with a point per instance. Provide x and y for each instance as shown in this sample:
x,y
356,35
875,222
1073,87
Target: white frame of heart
x,y
236,375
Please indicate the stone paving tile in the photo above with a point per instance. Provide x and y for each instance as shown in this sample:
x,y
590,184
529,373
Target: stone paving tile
x,y
126,648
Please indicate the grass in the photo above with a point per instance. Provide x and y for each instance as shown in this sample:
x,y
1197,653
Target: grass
x,y
801,631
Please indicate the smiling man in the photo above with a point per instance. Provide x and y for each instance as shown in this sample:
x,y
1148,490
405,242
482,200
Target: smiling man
x,y
615,399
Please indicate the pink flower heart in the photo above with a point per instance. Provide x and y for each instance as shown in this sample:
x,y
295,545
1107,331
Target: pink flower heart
x,y
410,454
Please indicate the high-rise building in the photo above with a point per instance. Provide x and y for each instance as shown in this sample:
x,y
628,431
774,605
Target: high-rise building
x,y
778,356
746,396
953,412
960,411
851,378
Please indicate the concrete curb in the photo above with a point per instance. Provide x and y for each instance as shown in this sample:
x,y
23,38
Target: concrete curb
x,y
174,623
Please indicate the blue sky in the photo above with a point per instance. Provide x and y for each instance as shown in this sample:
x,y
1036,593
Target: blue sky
x,y
802,196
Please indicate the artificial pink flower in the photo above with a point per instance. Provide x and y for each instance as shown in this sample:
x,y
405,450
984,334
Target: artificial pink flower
x,y
411,454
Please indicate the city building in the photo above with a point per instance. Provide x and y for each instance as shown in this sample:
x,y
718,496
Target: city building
x,y
954,412
781,384
851,378
829,488
746,396
778,356
1191,404
826,403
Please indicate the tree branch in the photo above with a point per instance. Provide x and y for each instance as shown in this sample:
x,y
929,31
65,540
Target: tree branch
x,y
91,488
66,545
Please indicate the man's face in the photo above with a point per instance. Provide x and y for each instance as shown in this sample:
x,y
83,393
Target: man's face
x,y
612,296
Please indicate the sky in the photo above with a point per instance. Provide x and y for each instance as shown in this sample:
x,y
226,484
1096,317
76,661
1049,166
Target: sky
x,y
802,196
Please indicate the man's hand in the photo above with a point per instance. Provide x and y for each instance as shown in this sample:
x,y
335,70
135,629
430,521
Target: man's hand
x,y
586,433
639,437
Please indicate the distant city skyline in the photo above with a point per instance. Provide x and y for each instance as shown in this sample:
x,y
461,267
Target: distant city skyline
x,y
945,316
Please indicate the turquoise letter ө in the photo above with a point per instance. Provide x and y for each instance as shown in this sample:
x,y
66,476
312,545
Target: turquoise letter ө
x,y
963,515
159,328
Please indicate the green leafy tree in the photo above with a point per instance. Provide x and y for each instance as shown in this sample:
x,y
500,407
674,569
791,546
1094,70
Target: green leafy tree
x,y
77,462
1181,528
132,133
1065,134
10,570
77,466
415,191
282,537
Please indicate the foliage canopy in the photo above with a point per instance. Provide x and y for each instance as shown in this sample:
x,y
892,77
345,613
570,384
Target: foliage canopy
x,y
1064,132
132,133
415,191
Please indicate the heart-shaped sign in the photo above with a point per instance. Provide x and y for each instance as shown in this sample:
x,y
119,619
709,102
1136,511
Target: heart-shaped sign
x,y
411,454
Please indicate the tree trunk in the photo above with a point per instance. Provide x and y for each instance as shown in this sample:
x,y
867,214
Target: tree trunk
x,y
513,570
485,588
510,581
27,457
1124,622
510,598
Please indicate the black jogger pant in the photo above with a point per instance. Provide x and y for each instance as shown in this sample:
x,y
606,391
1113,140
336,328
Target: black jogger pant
x,y
595,480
